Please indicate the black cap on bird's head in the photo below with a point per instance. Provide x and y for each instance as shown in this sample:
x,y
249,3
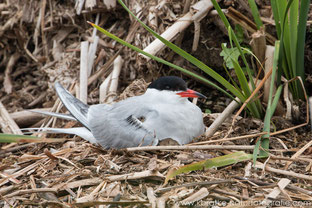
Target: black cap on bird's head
x,y
173,83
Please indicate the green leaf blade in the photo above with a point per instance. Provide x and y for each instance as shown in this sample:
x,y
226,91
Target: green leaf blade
x,y
216,162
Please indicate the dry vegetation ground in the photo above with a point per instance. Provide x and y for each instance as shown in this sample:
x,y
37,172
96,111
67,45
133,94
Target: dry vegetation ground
x,y
40,43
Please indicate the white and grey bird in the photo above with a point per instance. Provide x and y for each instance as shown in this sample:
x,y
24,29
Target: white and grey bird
x,y
162,112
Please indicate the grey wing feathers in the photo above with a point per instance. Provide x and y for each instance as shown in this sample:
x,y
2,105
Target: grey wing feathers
x,y
77,108
133,121
115,127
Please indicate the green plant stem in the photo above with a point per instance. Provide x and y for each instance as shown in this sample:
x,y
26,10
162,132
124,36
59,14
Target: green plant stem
x,y
255,13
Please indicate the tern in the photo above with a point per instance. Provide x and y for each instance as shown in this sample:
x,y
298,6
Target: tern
x,y
162,112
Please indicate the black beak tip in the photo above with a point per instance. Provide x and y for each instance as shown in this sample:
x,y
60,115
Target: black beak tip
x,y
201,95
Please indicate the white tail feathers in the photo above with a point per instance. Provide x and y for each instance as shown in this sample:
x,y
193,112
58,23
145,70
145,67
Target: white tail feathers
x,y
58,115
79,131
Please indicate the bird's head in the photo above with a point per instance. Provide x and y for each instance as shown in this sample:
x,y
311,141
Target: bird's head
x,y
175,85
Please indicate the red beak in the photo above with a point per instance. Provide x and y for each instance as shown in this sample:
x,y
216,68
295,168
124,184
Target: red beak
x,y
191,93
